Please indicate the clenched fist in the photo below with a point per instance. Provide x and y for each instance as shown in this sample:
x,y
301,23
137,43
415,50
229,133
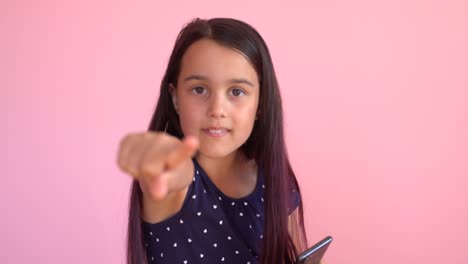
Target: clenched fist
x,y
160,162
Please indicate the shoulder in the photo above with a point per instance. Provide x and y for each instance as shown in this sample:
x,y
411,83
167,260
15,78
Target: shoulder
x,y
294,200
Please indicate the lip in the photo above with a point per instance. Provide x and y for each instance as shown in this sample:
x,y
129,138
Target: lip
x,y
216,131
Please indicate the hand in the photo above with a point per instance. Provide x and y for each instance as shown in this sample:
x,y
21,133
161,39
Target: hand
x,y
160,162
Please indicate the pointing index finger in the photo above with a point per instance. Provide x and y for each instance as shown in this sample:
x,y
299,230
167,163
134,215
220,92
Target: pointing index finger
x,y
184,151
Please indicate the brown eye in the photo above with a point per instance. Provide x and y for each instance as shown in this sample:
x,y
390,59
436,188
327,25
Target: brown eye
x,y
237,92
198,90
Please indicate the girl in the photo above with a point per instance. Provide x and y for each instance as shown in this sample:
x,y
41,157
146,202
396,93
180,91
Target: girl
x,y
213,182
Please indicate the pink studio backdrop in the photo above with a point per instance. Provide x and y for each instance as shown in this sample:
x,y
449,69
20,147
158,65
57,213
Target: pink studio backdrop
x,y
375,97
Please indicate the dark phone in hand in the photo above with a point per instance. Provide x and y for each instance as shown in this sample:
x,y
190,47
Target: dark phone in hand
x,y
314,254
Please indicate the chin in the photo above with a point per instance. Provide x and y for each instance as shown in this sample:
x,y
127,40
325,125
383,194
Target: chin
x,y
215,152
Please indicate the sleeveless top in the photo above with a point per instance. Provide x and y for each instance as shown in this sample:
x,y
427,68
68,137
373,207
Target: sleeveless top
x,y
210,227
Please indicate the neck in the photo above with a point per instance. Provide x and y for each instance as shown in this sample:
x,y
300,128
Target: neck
x,y
223,166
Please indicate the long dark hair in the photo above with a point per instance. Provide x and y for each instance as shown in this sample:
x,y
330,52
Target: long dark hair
x,y
266,143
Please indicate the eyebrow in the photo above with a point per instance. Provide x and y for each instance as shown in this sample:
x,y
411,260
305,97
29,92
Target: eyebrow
x,y
203,78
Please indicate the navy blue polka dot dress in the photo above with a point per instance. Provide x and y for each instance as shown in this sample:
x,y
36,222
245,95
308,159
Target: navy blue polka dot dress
x,y
210,227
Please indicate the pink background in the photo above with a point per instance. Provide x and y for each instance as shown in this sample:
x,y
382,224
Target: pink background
x,y
375,95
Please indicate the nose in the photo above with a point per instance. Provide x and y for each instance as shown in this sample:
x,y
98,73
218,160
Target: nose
x,y
217,106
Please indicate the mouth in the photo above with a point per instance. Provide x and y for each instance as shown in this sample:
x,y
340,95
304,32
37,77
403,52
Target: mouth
x,y
216,131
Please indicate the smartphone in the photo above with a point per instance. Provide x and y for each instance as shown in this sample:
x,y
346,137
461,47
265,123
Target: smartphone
x,y
314,254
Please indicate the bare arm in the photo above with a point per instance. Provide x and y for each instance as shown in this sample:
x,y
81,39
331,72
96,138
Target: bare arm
x,y
294,232
162,165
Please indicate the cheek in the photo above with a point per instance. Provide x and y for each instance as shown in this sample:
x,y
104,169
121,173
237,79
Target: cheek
x,y
252,109
190,118
247,115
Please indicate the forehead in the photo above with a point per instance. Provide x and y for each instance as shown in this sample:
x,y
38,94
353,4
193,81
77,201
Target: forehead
x,y
208,58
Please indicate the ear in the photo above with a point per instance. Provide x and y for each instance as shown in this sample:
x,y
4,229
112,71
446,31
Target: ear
x,y
172,91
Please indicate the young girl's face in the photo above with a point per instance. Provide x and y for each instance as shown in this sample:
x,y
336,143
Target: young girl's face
x,y
217,97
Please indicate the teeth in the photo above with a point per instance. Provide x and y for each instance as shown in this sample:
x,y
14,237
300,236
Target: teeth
x,y
220,131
